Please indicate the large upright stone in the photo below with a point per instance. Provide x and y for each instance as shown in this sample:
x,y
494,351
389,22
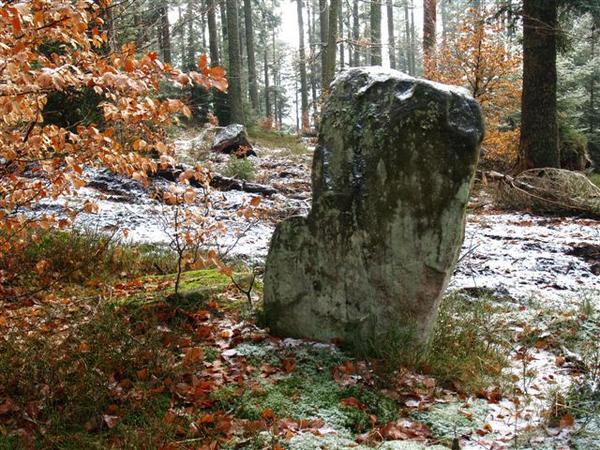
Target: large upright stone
x,y
391,179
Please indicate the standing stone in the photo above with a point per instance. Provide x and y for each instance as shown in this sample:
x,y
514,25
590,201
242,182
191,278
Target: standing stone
x,y
391,178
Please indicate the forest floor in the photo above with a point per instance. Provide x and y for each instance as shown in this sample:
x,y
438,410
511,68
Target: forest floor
x,y
121,362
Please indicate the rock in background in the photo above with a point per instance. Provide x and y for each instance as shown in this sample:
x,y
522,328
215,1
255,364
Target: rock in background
x,y
391,179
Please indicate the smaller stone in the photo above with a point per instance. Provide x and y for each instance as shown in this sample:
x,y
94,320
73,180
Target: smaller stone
x,y
233,139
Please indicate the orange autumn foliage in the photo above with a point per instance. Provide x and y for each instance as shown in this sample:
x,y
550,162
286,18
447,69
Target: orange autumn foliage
x,y
61,46
475,57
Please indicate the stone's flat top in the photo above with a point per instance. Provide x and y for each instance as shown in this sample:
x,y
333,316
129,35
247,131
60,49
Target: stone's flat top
x,y
229,132
379,74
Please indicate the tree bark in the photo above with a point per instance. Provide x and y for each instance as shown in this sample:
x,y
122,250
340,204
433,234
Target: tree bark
x,y
429,21
329,71
268,113
539,125
341,35
236,106
375,25
164,33
413,40
323,33
310,10
355,33
252,82
391,40
302,64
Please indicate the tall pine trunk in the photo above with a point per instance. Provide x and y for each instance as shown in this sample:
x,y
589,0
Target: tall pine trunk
x,y
329,70
375,25
302,64
220,98
164,33
236,107
323,34
341,35
312,20
268,113
429,22
539,124
355,33
391,40
252,82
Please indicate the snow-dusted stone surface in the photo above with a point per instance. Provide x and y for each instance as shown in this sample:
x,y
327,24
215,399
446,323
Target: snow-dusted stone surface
x,y
391,179
231,139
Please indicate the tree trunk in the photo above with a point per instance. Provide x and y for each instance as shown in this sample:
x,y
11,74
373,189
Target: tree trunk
x,y
252,82
190,57
329,71
236,106
313,78
267,89
220,98
429,21
413,40
165,34
592,108
341,35
539,125
302,64
213,36
223,9
391,40
182,48
407,41
375,25
355,32
323,34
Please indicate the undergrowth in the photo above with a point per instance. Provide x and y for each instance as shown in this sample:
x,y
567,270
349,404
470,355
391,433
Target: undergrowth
x,y
52,257
467,351
240,168
273,139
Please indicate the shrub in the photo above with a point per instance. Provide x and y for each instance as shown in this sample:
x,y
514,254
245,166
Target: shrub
x,y
241,168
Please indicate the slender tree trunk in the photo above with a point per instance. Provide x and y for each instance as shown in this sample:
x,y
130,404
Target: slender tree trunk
x,y
252,81
276,80
323,33
213,35
375,25
235,67
165,33
267,88
190,56
355,32
539,125
312,21
329,72
413,40
203,30
341,35
182,49
429,21
224,33
407,43
592,124
296,105
391,40
220,98
302,64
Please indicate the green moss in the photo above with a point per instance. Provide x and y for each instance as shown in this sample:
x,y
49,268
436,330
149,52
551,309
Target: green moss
x,y
311,392
451,420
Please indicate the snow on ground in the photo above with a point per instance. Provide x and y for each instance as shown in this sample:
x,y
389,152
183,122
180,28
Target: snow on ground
x,y
521,259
